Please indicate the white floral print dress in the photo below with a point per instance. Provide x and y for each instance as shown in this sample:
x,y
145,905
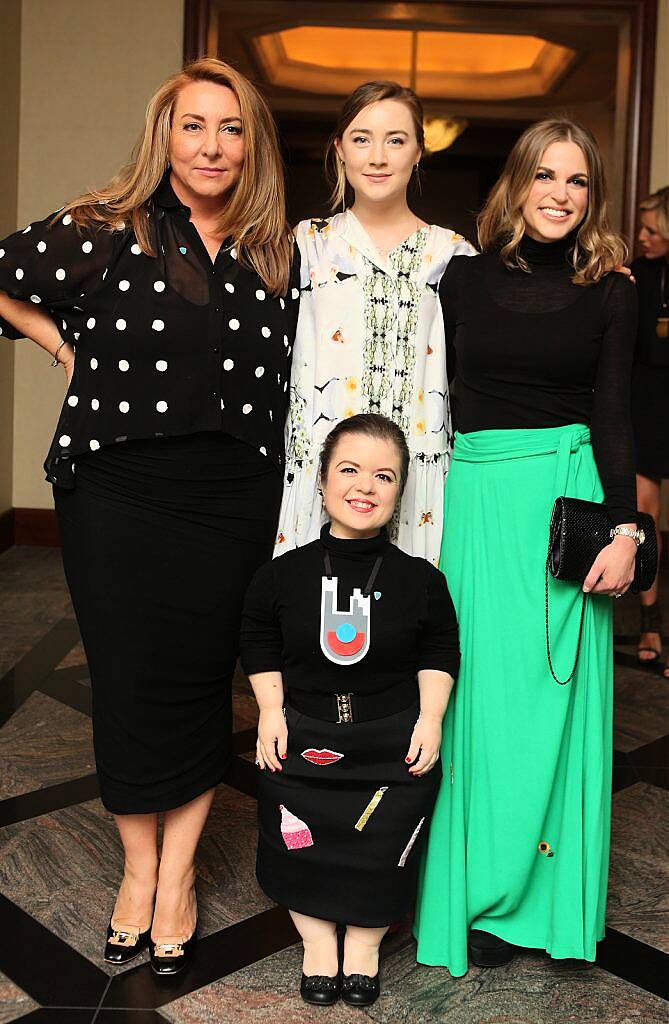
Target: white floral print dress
x,y
370,338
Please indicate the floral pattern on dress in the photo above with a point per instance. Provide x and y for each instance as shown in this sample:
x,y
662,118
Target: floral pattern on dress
x,y
370,338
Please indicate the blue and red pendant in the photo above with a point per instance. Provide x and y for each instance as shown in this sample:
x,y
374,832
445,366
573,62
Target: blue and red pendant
x,y
344,635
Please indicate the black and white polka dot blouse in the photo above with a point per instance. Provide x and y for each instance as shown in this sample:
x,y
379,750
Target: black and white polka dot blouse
x,y
166,345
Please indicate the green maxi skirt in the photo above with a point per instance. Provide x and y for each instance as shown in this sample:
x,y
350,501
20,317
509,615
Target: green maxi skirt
x,y
519,839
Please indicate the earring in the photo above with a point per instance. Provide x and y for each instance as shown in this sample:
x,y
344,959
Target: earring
x,y
343,194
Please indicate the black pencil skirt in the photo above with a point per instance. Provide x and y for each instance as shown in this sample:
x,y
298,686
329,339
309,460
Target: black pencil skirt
x,y
343,824
160,539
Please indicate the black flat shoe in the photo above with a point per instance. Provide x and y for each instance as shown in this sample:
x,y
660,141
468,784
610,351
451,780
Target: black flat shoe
x,y
360,989
123,944
319,989
171,956
487,950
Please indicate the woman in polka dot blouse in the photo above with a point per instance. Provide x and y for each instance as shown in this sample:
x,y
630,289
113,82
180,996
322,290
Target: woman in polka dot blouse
x,y
168,297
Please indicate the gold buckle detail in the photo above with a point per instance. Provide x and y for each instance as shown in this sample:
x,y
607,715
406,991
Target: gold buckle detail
x,y
169,949
121,938
344,707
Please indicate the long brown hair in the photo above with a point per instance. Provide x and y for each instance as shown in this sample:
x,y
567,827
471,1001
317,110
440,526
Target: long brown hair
x,y
255,214
368,92
597,248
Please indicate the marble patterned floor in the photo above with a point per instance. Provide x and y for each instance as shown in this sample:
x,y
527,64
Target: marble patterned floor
x,y
60,861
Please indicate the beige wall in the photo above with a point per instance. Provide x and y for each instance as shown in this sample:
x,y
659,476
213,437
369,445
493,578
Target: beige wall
x,y
87,71
10,93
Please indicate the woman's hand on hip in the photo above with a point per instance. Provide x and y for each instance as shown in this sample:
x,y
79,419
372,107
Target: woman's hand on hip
x,y
612,571
66,357
426,741
272,742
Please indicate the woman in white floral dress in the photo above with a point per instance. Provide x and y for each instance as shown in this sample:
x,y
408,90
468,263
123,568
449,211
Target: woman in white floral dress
x,y
370,335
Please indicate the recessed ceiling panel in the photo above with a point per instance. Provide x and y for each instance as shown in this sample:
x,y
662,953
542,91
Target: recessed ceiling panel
x,y
335,59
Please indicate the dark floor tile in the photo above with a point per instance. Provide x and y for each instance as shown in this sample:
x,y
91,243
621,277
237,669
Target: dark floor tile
x,y
34,668
42,744
64,869
133,1017
532,990
33,596
60,1015
638,902
267,991
641,708
75,657
48,969
14,1002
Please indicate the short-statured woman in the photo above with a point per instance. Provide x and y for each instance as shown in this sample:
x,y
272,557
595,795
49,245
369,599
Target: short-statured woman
x,y
650,391
166,296
352,648
370,335
519,844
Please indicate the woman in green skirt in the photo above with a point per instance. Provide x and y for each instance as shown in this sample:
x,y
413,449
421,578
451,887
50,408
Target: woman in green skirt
x,y
543,338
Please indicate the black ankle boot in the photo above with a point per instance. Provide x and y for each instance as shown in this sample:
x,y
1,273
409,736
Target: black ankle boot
x,y
487,950
319,989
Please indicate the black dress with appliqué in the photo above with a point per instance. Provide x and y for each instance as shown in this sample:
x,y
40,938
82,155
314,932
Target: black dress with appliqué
x,y
650,376
342,825
167,469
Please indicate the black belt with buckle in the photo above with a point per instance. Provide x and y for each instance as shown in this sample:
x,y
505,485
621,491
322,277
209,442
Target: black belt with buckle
x,y
346,708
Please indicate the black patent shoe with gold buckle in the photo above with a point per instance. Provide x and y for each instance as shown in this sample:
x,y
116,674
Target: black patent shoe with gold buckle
x,y
169,956
124,942
360,989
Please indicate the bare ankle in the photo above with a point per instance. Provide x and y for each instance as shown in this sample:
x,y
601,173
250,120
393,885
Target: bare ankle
x,y
141,872
176,878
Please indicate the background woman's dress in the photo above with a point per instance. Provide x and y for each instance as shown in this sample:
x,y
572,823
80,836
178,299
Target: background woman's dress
x,y
650,378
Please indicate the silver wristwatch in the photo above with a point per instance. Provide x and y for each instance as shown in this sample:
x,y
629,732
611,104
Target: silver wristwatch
x,y
638,536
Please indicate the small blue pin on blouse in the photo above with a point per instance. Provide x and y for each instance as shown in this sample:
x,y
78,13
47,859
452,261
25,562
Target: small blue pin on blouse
x,y
377,595
183,249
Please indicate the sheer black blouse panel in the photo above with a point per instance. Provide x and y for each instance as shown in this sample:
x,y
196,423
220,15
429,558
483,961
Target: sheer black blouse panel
x,y
535,350
167,345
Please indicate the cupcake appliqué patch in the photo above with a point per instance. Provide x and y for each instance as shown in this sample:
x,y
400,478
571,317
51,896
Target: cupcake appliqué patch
x,y
295,833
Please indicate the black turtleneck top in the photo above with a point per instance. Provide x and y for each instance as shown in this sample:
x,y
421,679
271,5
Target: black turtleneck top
x,y
413,624
166,345
535,350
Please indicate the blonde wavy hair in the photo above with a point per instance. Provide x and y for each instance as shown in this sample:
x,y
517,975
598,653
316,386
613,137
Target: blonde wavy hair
x,y
659,202
368,92
255,213
597,249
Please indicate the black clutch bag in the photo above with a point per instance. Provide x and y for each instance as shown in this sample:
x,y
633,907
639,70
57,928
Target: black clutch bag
x,y
579,530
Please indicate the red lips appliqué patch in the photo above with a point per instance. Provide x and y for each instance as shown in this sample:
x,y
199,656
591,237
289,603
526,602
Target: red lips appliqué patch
x,y
321,757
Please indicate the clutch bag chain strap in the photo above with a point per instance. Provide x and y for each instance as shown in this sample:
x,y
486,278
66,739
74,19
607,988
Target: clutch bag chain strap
x,y
563,682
